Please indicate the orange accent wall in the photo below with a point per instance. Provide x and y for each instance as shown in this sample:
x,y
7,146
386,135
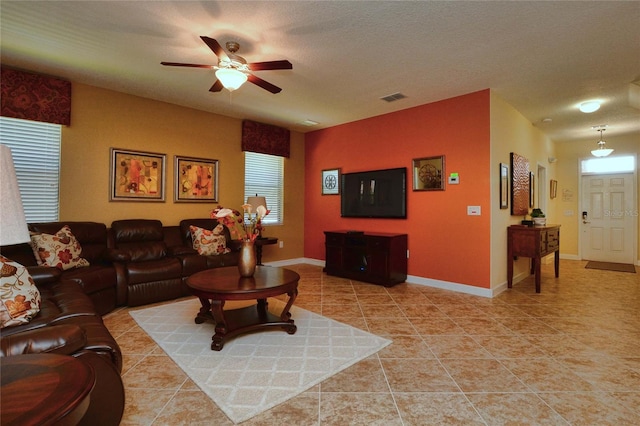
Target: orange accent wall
x,y
444,243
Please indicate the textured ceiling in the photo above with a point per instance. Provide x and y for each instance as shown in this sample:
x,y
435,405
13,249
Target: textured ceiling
x,y
543,58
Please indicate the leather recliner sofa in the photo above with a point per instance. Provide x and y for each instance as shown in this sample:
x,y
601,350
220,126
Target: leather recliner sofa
x,y
68,324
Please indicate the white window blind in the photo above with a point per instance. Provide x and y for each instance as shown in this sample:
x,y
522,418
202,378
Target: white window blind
x,y
35,148
264,175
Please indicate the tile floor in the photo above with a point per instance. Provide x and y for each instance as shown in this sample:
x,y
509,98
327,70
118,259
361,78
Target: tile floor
x,y
569,355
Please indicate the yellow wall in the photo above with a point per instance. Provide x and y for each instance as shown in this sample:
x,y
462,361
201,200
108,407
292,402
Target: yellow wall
x,y
569,155
511,132
102,119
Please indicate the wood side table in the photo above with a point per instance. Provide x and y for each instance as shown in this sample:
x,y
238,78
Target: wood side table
x,y
44,389
259,242
215,286
534,242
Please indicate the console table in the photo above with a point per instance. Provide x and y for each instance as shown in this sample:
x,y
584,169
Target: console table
x,y
375,257
535,243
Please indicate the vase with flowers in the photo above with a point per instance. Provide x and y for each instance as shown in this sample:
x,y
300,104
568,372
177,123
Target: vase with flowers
x,y
246,227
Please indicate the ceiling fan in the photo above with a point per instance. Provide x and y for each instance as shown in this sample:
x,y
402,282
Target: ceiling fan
x,y
233,70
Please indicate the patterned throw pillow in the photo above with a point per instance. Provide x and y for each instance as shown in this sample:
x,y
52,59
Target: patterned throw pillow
x,y
19,296
61,250
208,242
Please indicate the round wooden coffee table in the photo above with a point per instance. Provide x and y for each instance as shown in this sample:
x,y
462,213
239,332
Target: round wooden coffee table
x,y
215,286
44,389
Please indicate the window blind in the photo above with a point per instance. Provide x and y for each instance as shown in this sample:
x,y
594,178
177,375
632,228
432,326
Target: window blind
x,y
35,147
264,175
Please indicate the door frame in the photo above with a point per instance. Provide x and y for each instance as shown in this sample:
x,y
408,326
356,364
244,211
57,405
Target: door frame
x,y
635,204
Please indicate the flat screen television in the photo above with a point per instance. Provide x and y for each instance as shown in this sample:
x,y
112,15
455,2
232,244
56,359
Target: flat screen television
x,y
375,194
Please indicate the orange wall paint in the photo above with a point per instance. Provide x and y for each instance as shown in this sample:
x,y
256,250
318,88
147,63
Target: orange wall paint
x,y
444,243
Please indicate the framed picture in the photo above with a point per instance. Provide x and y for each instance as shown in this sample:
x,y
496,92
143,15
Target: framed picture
x,y
532,192
554,189
520,185
196,180
428,174
331,182
504,186
136,176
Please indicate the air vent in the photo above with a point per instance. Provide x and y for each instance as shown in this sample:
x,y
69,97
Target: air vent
x,y
393,97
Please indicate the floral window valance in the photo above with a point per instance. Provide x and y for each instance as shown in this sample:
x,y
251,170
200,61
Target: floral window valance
x,y
265,139
35,97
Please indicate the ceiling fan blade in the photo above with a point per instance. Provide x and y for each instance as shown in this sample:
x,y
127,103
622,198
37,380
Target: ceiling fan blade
x,y
270,65
215,46
217,86
179,64
264,84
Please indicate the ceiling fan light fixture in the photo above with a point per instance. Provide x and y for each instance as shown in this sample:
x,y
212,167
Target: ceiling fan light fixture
x,y
589,107
231,78
601,151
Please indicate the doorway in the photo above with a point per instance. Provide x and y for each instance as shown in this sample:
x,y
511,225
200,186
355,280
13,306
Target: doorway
x,y
608,216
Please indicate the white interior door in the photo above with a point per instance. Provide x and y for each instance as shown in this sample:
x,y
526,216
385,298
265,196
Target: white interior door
x,y
608,230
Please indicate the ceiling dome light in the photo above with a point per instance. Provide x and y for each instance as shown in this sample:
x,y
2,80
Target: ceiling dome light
x,y
231,78
589,107
601,151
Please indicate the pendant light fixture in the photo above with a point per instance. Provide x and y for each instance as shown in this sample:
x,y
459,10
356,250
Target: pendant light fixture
x,y
231,78
601,151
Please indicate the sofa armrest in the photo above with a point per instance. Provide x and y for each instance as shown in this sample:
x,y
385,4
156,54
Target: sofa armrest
x,y
55,339
43,275
115,255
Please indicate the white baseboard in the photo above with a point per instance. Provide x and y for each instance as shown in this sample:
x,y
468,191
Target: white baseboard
x,y
428,282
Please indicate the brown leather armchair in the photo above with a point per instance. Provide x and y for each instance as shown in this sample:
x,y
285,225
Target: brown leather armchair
x,y
144,270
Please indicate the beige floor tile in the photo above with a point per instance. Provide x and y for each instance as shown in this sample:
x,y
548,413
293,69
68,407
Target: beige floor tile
x,y
365,376
417,375
420,409
375,409
568,355
483,375
456,347
514,409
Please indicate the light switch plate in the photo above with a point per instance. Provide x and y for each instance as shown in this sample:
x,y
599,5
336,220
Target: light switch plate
x,y
473,210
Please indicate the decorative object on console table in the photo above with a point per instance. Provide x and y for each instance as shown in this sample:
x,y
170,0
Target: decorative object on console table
x,y
247,260
331,182
196,180
378,258
137,176
428,174
538,217
535,243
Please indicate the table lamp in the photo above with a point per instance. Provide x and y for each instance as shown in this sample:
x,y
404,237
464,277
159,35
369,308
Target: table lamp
x,y
13,224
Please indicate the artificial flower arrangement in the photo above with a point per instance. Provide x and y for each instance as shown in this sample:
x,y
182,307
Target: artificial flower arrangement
x,y
239,228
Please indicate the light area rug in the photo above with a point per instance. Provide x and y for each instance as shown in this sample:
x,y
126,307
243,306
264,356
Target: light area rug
x,y
257,371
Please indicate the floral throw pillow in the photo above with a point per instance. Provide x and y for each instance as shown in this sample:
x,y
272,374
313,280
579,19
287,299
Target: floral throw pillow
x,y
19,297
61,250
209,242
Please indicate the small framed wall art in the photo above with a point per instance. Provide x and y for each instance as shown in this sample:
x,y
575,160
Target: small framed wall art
x,y
196,180
554,189
331,182
532,189
136,176
504,186
428,174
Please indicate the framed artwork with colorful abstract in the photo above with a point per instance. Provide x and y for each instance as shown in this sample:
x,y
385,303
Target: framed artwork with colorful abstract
x,y
136,176
196,180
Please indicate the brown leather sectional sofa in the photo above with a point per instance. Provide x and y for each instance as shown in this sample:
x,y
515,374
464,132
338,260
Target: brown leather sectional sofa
x,y
134,262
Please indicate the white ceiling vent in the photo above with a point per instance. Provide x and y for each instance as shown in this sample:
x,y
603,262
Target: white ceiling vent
x,y
393,97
